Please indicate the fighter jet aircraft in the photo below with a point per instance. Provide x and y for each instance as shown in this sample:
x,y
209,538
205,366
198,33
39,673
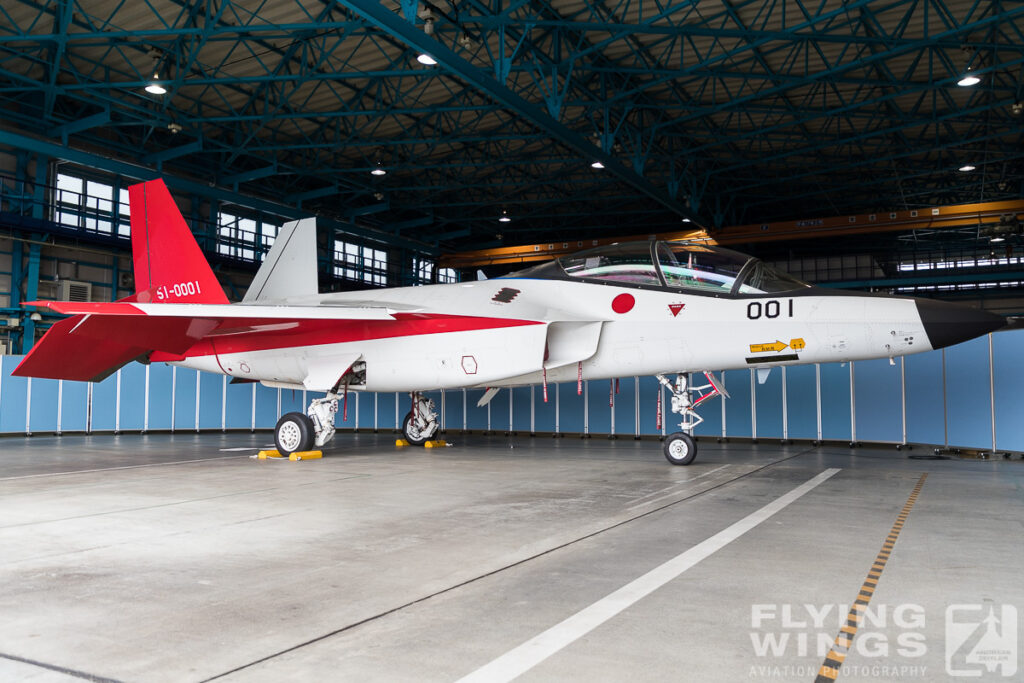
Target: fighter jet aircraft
x,y
634,308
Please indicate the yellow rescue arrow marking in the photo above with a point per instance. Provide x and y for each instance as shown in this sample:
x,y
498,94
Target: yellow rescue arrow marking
x,y
765,348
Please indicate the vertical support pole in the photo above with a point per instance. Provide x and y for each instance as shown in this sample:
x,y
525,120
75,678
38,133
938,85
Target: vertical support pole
x,y
636,407
60,404
611,405
903,397
223,403
586,410
279,390
398,425
375,423
88,408
465,421
992,390
817,395
117,404
533,411
663,408
444,411
753,404
357,408
174,389
28,407
853,406
511,396
725,431
252,428
785,407
199,383
145,405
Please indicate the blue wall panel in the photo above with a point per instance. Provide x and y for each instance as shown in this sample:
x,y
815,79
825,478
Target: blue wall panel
x,y
598,393
544,413
185,381
160,376
924,398
649,389
1009,380
571,408
879,400
968,394
499,411
13,392
365,406
103,402
737,409
239,406
211,391
386,411
452,410
521,409
802,401
133,397
44,405
769,405
74,406
266,409
625,407
835,402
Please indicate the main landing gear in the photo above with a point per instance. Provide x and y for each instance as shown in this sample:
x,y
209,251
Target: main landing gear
x,y
679,447
301,432
420,424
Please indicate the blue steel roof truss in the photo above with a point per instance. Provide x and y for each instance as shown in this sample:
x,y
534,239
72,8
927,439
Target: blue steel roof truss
x,y
723,112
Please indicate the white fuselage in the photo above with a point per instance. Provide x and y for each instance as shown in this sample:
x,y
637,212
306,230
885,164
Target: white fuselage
x,y
520,331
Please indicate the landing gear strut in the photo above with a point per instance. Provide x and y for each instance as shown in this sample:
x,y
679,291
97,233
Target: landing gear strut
x,y
680,448
301,432
420,424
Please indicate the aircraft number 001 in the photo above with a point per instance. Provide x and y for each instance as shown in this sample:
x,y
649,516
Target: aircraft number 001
x,y
179,289
768,309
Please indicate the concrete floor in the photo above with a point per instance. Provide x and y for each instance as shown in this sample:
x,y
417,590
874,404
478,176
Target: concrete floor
x,y
176,558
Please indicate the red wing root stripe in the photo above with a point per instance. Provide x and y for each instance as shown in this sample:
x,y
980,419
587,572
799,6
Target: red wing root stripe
x,y
833,663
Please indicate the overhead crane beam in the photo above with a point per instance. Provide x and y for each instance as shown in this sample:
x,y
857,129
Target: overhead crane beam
x,y
934,218
395,25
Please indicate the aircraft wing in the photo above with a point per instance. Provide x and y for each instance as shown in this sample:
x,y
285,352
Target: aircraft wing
x,y
217,311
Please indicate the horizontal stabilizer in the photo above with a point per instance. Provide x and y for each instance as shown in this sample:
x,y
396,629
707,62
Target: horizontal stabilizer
x,y
216,311
65,352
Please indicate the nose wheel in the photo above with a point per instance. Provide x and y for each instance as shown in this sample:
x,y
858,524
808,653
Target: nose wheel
x,y
294,432
680,448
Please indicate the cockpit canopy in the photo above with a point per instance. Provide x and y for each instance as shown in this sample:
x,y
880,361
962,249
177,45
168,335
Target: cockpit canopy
x,y
679,265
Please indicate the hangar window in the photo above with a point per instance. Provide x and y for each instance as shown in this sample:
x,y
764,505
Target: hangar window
x,y
89,204
425,272
236,236
356,262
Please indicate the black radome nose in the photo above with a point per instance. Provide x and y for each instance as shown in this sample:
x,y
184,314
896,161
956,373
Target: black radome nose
x,y
947,324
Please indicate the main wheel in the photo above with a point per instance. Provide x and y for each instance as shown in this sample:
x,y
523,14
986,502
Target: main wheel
x,y
294,432
412,433
680,448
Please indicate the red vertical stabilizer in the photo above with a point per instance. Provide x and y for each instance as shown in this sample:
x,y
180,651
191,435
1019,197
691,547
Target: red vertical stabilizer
x,y
169,266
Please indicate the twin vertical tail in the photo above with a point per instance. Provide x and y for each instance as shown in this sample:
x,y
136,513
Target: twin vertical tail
x,y
169,268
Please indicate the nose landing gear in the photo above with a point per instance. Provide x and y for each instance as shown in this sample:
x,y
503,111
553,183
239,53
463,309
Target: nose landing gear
x,y
679,447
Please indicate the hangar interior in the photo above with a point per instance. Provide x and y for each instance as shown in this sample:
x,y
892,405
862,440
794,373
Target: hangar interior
x,y
858,145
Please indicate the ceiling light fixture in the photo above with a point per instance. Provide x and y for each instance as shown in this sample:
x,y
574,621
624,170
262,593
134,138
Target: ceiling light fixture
x,y
425,59
154,87
966,168
968,80
504,217
686,220
378,170
597,164
997,239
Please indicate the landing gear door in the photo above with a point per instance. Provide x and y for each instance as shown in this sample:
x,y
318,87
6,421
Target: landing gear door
x,y
322,374
571,342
